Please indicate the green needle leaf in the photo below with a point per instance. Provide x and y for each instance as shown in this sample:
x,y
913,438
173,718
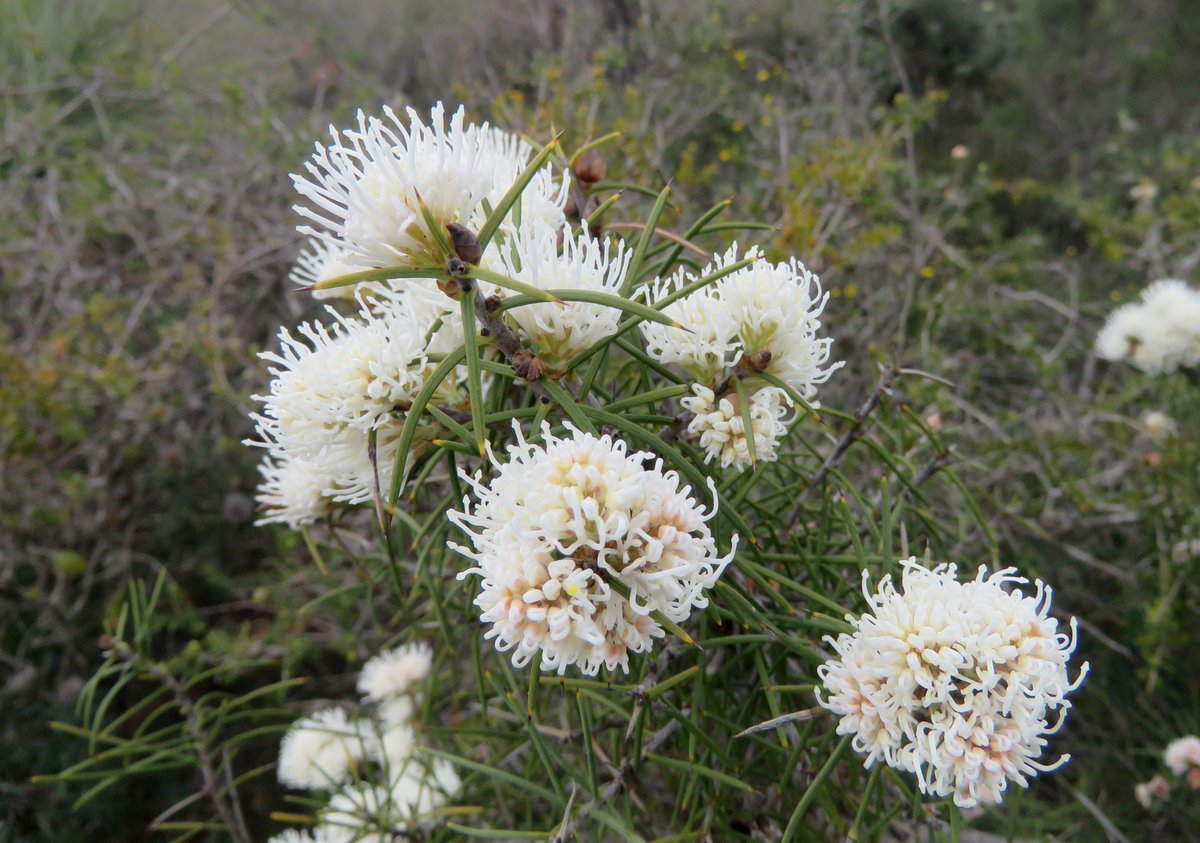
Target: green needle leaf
x,y
501,211
474,370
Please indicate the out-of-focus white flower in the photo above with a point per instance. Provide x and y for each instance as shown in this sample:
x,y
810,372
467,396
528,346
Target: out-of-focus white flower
x,y
292,492
292,836
360,812
722,430
1144,191
317,751
396,711
365,189
1182,754
1147,793
959,152
563,330
1159,334
423,787
953,681
564,530
768,314
395,672
1159,425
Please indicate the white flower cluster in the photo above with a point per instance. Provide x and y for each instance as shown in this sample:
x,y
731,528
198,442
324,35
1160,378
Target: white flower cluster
x,y
763,318
381,781
382,195
578,542
1159,334
955,682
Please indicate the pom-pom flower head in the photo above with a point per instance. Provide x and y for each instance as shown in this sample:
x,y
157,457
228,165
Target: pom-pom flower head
x,y
395,672
367,187
1159,334
763,318
578,542
953,681
317,751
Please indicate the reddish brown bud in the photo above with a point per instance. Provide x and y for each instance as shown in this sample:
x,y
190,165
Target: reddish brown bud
x,y
589,168
465,243
569,207
527,366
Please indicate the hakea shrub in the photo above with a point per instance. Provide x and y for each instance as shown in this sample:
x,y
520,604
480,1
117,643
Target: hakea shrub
x,y
619,420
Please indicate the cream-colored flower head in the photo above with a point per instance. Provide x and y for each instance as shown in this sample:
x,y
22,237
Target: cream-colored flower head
x,y
955,682
1158,334
318,751
292,492
365,189
395,672
583,263
564,531
767,313
721,428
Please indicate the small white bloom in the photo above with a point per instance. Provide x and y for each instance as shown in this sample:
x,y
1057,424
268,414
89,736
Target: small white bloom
x,y
768,313
559,526
1182,754
395,672
366,187
292,492
955,682
318,751
1159,334
1159,425
722,430
563,330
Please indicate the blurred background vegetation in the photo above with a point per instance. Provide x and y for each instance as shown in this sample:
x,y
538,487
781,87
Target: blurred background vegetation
x,y
976,182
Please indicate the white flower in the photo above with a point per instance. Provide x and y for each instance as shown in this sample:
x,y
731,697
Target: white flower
x,y
366,187
563,530
365,811
323,260
335,388
360,812
318,751
1182,754
955,682
1159,425
292,492
351,373
1159,334
395,672
766,314
563,330
292,836
710,344
721,428
423,788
